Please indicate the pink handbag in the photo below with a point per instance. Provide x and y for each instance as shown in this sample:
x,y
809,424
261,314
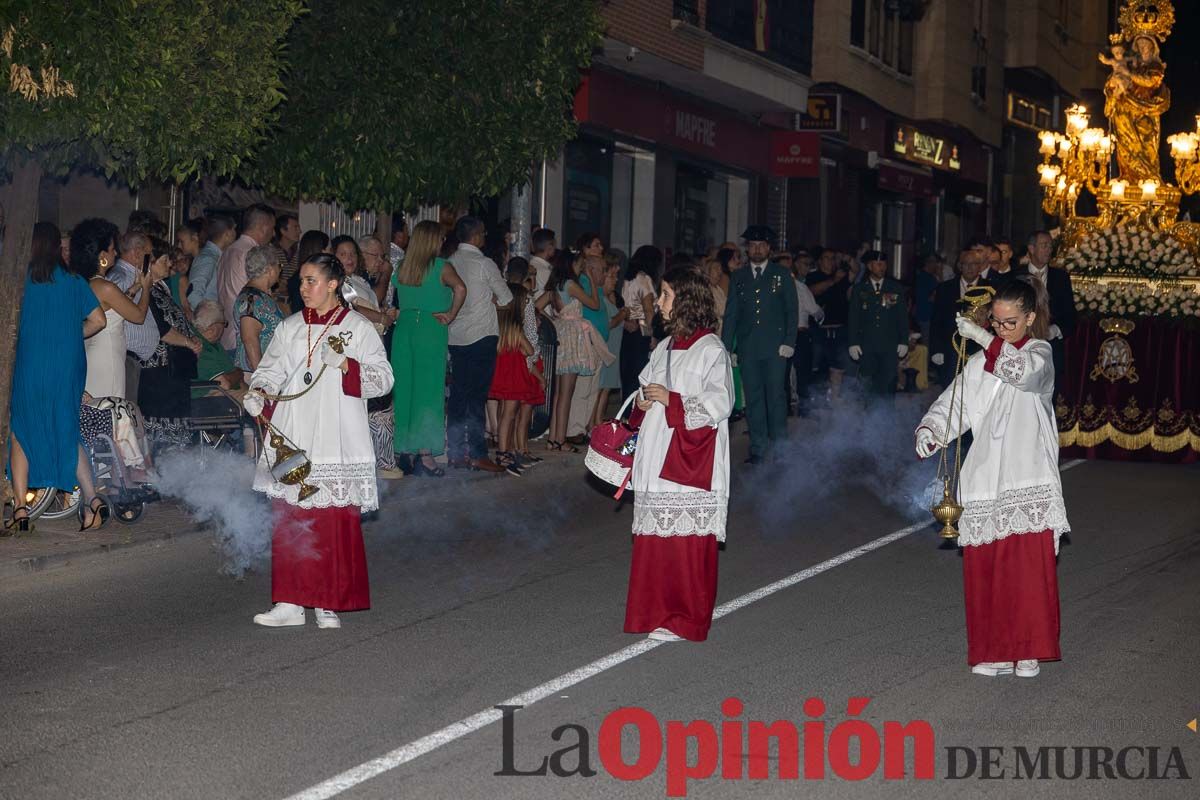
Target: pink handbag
x,y
610,453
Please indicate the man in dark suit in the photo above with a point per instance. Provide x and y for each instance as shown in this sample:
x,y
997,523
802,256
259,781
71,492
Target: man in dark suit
x,y
761,317
878,327
1061,295
946,308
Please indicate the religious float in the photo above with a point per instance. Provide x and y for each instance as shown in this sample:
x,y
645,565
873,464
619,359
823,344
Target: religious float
x,y
1132,388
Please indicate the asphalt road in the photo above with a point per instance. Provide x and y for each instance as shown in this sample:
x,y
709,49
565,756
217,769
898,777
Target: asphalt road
x,y
141,676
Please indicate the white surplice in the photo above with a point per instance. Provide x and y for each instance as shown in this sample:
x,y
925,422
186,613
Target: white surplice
x,y
329,425
702,375
1010,481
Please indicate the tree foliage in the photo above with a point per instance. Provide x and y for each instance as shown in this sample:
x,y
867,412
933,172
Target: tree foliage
x,y
395,103
140,89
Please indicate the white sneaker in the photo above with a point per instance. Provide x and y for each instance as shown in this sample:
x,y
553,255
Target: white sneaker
x,y
281,615
326,618
993,668
664,635
1028,668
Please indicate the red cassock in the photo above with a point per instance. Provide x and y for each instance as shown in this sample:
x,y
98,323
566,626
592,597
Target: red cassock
x,y
317,554
1011,592
673,578
318,558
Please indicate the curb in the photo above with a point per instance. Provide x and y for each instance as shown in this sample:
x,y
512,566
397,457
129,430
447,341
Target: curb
x,y
54,561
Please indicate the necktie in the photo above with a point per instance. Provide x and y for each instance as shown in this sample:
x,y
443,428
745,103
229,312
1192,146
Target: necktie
x,y
758,272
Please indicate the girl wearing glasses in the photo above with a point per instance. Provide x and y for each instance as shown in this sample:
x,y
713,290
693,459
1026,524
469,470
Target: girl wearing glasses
x,y
1013,512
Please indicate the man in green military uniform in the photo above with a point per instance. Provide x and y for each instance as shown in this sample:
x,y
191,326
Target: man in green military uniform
x,y
761,317
878,327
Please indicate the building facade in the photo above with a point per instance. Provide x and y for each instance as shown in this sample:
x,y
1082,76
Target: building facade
x,y
680,118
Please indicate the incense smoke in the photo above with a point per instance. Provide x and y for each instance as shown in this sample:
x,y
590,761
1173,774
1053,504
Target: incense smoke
x,y
216,488
847,449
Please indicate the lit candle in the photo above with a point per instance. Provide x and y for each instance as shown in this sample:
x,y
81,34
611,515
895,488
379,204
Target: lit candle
x,y
1049,174
1077,118
1149,190
1090,139
1062,185
1106,144
1116,190
1047,138
1064,147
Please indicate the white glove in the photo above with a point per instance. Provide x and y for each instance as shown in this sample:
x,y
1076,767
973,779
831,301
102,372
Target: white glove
x,y
855,352
733,359
1055,332
786,350
254,402
901,350
969,330
926,444
331,357
938,359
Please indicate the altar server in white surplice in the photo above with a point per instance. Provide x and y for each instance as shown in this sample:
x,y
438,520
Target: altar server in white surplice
x,y
317,554
1013,511
680,468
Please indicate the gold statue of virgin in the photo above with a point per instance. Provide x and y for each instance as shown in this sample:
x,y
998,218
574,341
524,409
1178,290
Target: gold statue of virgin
x,y
1135,99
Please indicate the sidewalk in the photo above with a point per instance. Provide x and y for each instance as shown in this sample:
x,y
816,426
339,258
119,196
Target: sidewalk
x,y
54,544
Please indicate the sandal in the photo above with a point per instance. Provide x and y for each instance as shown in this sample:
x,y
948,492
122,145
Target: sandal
x,y
21,524
419,469
99,515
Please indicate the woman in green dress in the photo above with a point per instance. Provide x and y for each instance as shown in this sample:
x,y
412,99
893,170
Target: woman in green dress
x,y
429,294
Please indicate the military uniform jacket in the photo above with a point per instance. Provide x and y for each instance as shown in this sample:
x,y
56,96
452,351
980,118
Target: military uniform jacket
x,y
760,315
878,320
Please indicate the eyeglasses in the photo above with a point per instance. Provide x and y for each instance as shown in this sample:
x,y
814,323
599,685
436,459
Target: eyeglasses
x,y
1006,324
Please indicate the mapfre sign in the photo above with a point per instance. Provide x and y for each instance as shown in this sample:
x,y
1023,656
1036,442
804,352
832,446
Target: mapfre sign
x,y
795,154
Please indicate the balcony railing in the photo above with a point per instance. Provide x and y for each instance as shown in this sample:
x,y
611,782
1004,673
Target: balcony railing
x,y
788,27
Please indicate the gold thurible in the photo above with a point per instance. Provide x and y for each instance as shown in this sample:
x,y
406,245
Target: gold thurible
x,y
292,465
949,511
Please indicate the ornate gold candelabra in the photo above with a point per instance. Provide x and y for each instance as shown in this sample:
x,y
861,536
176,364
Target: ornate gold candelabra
x,y
1080,159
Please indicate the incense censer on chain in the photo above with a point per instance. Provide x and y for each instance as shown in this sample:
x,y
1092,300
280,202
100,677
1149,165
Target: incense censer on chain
x,y
949,511
292,465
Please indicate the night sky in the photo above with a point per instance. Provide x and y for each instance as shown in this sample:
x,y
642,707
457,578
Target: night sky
x,y
1182,57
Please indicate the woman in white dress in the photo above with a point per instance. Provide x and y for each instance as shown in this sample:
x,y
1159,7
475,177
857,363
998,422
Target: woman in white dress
x,y
106,350
680,468
1010,489
317,554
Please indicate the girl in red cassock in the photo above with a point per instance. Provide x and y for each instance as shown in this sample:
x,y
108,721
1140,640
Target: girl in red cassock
x,y
680,468
1010,489
317,554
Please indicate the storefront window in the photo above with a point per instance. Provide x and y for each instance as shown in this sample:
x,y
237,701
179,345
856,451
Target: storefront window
x,y
711,207
632,198
587,200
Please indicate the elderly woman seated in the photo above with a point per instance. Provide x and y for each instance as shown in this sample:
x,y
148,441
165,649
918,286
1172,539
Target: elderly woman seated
x,y
214,364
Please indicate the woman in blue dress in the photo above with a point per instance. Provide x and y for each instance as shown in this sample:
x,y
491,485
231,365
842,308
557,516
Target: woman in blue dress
x,y
58,312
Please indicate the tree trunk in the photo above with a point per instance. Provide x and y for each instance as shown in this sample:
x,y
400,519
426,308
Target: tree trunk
x,y
20,201
383,229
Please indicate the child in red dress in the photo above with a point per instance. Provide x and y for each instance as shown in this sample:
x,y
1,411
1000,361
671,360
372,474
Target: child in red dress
x,y
516,381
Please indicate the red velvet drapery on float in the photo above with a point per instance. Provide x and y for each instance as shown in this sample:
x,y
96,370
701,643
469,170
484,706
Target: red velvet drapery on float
x,y
1153,418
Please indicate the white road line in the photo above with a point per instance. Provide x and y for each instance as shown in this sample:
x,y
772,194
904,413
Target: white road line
x,y
402,755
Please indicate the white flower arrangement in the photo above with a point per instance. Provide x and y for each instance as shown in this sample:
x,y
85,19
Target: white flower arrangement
x,y
1155,274
1130,252
1137,299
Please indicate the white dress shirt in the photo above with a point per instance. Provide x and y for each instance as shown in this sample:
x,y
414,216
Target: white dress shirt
x,y
541,275
810,310
485,289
